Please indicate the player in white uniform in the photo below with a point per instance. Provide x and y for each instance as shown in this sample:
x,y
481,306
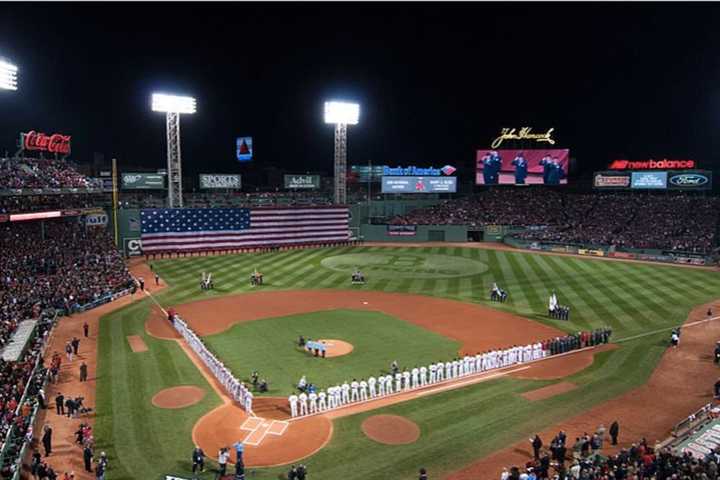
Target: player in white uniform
x,y
303,404
322,405
371,386
440,371
331,398
398,382
406,380
313,402
381,385
363,391
338,396
423,376
354,396
448,370
433,373
293,399
388,384
248,402
415,377
345,394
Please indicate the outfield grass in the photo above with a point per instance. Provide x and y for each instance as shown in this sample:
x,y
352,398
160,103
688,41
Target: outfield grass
x,y
378,339
457,426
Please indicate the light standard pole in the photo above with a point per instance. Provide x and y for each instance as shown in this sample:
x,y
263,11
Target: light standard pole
x,y
8,75
173,106
341,114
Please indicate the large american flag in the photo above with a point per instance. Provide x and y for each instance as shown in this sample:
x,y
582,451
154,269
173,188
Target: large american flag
x,y
189,229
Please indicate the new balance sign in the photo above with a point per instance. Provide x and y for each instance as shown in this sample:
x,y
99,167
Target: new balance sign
x,y
652,164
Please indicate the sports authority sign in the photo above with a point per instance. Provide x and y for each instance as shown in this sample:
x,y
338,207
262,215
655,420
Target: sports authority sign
x,y
664,164
38,141
220,181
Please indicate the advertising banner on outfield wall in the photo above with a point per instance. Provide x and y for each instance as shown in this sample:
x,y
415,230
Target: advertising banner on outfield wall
x,y
611,180
402,230
302,182
649,180
142,181
690,180
96,220
419,184
231,181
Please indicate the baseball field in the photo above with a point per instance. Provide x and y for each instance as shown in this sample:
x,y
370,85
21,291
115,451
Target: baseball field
x,y
420,305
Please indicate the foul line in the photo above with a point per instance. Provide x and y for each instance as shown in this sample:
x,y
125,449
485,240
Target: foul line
x,y
661,330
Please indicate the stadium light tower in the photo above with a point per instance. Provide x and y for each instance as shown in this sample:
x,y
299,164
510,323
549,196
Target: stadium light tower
x,y
173,106
8,75
341,114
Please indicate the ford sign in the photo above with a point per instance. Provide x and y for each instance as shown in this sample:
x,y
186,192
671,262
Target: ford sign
x,y
688,180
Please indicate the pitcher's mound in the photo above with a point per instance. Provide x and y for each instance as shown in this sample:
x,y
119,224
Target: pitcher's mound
x,y
336,348
178,397
390,429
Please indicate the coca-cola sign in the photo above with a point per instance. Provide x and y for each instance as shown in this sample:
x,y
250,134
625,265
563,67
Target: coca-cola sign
x,y
55,143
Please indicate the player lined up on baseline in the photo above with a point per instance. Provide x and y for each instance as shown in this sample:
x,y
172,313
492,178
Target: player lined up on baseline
x,y
233,386
360,391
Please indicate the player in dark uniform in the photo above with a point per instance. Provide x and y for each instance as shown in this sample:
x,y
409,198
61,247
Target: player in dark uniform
x,y
487,170
546,163
521,169
556,172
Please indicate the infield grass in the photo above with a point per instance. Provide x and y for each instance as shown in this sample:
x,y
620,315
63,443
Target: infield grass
x,y
456,426
378,339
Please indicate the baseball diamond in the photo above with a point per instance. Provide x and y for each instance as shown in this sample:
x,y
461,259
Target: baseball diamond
x,y
438,241
385,320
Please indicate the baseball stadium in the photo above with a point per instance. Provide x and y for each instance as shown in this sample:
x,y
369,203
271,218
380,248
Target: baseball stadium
x,y
523,304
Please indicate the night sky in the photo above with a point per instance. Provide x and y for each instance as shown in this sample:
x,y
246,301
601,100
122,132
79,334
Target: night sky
x,y
435,81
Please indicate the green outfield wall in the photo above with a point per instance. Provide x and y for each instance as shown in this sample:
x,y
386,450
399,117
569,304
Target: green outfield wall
x,y
423,233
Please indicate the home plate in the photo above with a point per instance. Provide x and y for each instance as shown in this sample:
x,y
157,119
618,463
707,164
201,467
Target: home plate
x,y
365,303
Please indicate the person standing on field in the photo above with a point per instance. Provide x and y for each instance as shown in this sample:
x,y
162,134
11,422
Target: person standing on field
x,y
87,458
537,445
223,458
83,372
47,439
86,329
614,431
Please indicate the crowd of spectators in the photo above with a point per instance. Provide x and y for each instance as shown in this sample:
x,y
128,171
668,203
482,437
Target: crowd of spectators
x,y
673,221
16,173
61,264
583,459
21,391
492,207
58,265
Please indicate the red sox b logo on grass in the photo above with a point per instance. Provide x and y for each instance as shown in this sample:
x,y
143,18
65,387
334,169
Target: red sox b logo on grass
x,y
383,265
